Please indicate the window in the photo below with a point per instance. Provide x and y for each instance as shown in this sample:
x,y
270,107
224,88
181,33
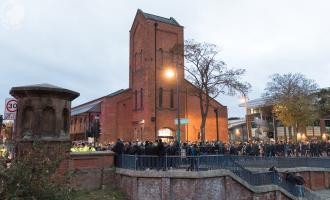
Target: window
x,y
135,100
254,125
165,132
75,125
27,119
160,97
172,98
48,121
80,123
327,126
65,116
327,123
141,98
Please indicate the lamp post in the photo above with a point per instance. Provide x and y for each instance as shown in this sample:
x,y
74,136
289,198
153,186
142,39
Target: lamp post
x,y
170,74
244,100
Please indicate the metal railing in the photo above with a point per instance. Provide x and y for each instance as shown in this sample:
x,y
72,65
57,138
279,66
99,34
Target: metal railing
x,y
232,163
281,162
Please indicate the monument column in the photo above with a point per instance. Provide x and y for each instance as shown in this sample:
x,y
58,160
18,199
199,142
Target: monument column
x,y
43,118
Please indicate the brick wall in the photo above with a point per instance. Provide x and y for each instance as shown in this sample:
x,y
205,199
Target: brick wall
x,y
179,185
116,117
316,180
91,170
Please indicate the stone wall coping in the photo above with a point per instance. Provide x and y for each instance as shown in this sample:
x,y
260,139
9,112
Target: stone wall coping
x,y
297,169
93,153
28,90
202,174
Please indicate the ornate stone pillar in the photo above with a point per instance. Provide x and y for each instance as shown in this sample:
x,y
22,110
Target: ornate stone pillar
x,y
43,116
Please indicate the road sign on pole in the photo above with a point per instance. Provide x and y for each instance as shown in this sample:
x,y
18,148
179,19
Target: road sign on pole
x,y
183,121
10,109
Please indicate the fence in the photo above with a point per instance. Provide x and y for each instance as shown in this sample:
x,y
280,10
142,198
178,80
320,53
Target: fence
x,y
282,162
205,162
232,163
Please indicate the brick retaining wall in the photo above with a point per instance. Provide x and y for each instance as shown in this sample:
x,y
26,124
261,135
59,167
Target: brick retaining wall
x,y
176,184
92,170
315,178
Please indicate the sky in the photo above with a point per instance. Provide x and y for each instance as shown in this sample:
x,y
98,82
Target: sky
x,y
83,45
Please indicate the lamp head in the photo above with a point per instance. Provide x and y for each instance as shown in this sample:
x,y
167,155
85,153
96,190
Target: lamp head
x,y
169,73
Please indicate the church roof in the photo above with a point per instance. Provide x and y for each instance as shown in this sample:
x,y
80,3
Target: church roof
x,y
88,108
94,105
117,92
170,20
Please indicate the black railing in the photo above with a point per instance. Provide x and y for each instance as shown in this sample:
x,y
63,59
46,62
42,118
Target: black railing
x,y
281,162
232,163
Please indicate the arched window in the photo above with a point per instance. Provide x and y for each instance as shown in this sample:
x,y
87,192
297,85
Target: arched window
x,y
85,123
27,119
80,123
165,132
65,116
141,98
172,98
135,97
48,121
160,97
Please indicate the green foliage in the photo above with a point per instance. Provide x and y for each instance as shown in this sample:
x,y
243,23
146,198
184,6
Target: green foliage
x,y
293,99
323,102
298,113
33,176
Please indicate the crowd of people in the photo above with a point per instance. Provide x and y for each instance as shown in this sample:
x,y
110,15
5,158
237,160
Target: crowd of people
x,y
82,147
252,148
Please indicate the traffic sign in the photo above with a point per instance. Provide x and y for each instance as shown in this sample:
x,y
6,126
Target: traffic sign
x,y
10,109
183,121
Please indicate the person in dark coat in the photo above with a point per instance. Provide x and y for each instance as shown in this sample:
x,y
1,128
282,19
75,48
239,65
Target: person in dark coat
x,y
192,152
160,150
118,149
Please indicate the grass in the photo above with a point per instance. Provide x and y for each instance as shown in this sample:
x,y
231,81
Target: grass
x,y
106,194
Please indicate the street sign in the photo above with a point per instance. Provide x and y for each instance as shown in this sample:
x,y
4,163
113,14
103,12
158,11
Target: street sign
x,y
183,121
10,109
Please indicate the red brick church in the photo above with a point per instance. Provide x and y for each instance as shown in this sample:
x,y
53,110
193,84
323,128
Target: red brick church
x,y
148,108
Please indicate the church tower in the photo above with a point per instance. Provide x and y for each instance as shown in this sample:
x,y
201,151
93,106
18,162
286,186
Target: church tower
x,y
152,39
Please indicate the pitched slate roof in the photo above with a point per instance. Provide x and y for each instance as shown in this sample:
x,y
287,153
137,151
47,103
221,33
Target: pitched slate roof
x,y
94,105
88,108
170,20
117,92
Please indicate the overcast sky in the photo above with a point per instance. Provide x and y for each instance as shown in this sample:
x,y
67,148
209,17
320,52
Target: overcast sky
x,y
83,45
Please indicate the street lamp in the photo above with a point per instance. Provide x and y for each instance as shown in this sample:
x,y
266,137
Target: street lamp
x,y
244,100
324,136
170,73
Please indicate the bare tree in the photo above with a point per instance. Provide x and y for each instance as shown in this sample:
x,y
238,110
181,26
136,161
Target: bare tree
x,y
293,99
210,75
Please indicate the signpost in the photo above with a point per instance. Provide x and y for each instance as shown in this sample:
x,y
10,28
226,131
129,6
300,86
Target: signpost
x,y
183,121
10,109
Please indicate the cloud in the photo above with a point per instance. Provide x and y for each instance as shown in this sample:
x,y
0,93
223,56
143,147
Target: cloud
x,y
83,45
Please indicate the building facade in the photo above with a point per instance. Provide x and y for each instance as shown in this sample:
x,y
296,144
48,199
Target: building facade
x,y
148,108
237,131
262,124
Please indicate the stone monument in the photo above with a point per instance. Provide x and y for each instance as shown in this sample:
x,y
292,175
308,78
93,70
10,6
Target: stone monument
x,y
43,115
